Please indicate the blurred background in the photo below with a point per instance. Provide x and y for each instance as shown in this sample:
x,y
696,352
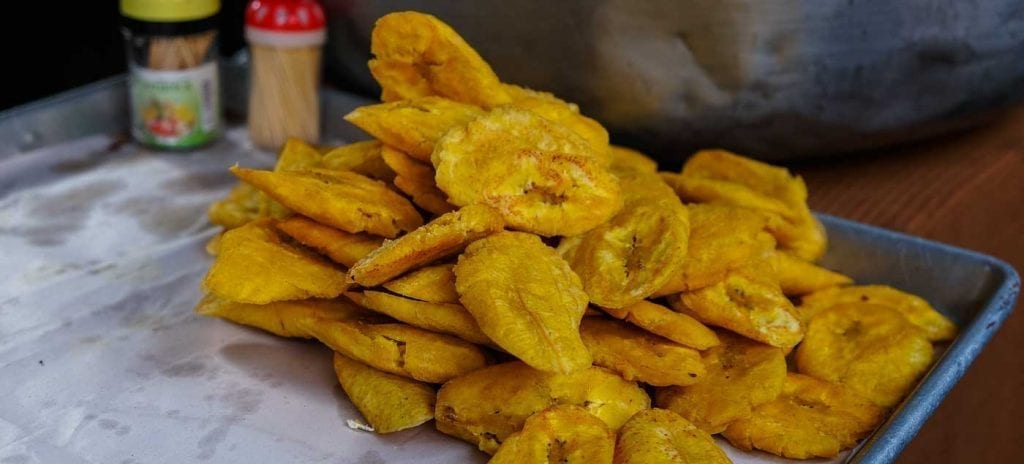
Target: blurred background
x,y
923,93
83,45
780,79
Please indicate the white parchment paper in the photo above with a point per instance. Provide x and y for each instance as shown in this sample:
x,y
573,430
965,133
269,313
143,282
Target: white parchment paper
x,y
101,357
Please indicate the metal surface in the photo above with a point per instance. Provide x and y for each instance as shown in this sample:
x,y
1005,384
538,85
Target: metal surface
x,y
102,359
769,78
976,291
101,108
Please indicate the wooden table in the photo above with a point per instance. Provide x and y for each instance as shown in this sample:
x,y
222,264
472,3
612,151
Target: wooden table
x,y
966,190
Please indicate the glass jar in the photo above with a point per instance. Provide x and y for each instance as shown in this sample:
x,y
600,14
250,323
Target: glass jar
x,y
174,90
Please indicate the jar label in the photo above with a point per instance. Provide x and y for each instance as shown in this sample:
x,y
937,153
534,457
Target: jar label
x,y
175,109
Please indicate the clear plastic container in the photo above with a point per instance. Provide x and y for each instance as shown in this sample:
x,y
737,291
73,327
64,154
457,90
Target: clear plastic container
x,y
285,39
174,89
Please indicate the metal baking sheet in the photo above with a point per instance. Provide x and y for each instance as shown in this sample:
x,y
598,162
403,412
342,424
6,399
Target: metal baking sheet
x,y
103,361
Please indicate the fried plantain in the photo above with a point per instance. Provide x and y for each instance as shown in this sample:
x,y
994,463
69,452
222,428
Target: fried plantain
x,y
434,284
810,418
342,247
254,265
564,434
871,349
340,199
640,356
541,176
740,375
399,349
638,250
387,401
444,236
660,436
526,299
935,326
413,126
487,406
672,325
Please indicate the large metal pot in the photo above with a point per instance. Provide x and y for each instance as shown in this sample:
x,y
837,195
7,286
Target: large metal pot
x,y
770,78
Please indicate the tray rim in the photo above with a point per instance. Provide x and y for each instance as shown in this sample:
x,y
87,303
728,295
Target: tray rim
x,y
887,441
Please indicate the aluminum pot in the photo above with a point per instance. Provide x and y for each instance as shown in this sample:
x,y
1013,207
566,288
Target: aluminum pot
x,y
776,79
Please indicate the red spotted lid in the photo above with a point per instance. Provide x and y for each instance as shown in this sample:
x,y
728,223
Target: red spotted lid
x,y
285,22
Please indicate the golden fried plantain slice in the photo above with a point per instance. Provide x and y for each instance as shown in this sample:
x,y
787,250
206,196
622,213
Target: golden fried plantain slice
x,y
719,192
486,406
413,126
563,434
272,209
718,176
340,199
799,277
546,103
360,157
762,180
625,160
280,317
559,111
416,180
722,238
254,265
567,247
451,319
660,436
388,402
342,247
638,355
634,254
399,81
541,176
400,349
740,374
444,236
212,246
526,299
660,320
424,194
811,418
751,306
434,284
241,205
871,349
804,238
935,326
297,155
416,55
404,165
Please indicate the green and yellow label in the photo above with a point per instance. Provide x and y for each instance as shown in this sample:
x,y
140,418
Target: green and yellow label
x,y
175,109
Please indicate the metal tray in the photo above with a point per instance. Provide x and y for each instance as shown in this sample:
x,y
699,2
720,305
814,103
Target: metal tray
x,y
102,359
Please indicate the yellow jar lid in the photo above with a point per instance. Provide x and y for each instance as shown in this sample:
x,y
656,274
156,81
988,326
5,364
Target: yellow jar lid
x,y
169,10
